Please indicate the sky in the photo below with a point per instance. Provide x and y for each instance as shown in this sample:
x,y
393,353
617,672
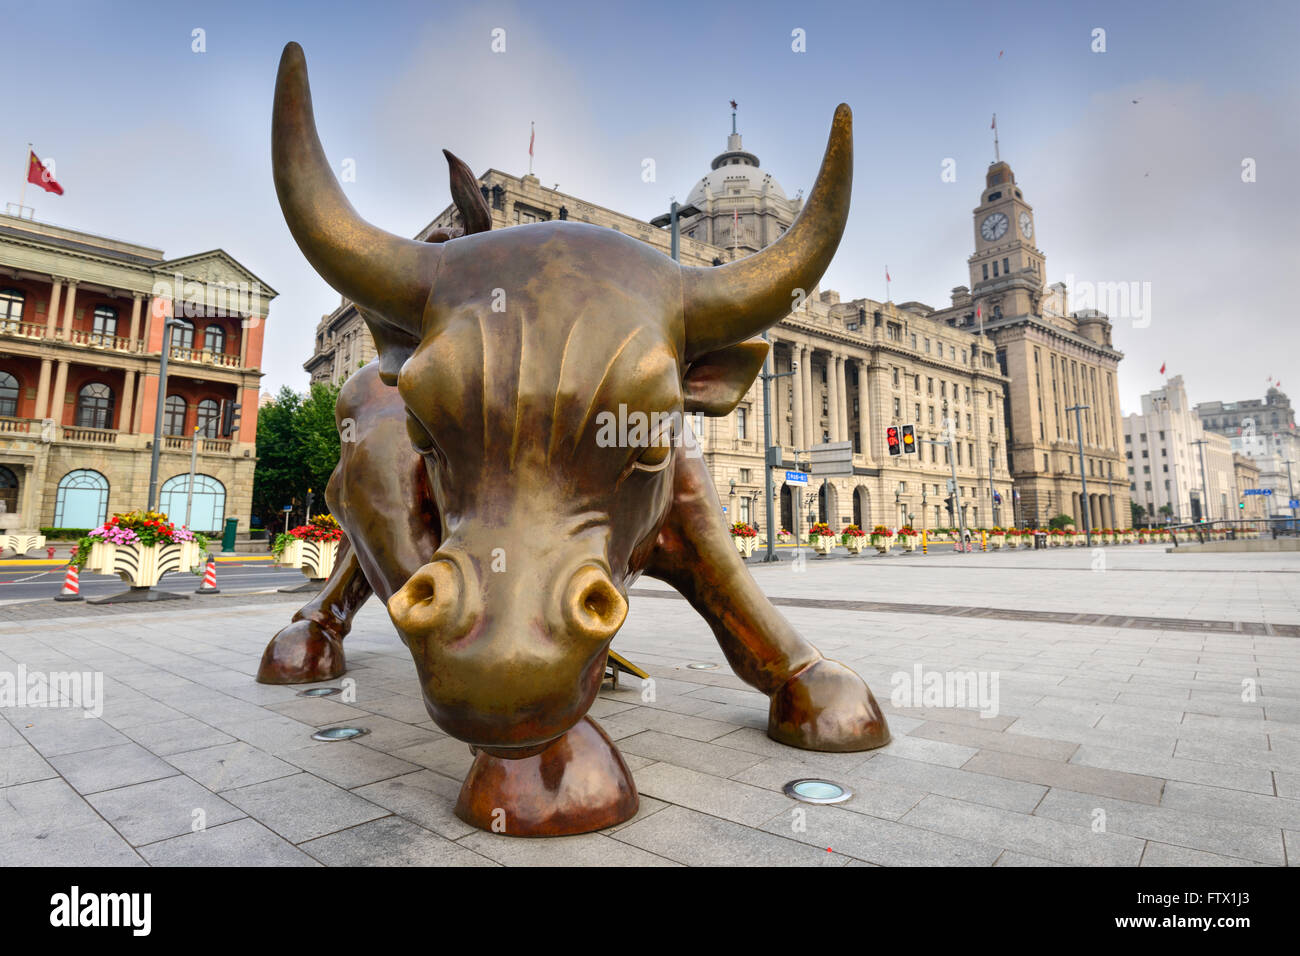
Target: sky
x,y
1135,158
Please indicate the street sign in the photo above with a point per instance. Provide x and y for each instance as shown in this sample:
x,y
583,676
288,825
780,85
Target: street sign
x,y
1294,503
1259,491
796,478
287,508
832,458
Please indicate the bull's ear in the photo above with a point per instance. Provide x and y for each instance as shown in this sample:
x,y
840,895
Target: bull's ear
x,y
717,381
394,345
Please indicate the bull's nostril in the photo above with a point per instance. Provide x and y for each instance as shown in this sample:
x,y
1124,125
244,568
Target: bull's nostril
x,y
593,606
428,599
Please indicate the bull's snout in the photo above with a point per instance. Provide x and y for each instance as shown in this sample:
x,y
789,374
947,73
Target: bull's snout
x,y
431,601
592,606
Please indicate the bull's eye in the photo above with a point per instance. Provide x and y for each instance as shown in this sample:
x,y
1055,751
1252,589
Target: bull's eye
x,y
658,450
421,440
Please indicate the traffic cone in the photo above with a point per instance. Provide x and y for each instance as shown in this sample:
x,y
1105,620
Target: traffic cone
x,y
209,585
71,586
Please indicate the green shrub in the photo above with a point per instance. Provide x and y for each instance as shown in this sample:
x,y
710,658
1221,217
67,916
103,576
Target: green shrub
x,y
1060,523
65,534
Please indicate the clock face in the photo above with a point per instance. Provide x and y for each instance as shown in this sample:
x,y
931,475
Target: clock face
x,y
994,227
1026,226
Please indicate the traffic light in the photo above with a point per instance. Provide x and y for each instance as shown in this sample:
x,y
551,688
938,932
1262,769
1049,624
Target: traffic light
x,y
229,418
892,440
909,440
1241,504
947,502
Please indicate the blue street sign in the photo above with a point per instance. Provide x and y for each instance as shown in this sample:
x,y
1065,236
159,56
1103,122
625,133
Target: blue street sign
x,y
1259,491
1294,503
287,508
796,478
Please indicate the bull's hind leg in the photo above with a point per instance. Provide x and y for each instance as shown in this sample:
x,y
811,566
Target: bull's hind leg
x,y
816,703
311,647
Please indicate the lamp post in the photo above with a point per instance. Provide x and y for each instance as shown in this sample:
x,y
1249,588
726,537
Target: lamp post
x,y
1083,472
670,219
1205,488
171,323
771,453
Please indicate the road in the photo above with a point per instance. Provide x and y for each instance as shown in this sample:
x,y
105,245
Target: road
x,y
31,581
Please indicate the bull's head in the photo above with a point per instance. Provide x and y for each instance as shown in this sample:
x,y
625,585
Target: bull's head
x,y
506,347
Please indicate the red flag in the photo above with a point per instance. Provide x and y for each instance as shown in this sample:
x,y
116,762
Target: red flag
x,y
38,175
1162,368
995,121
887,279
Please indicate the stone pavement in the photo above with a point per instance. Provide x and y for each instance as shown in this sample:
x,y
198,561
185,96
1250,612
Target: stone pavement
x,y
1149,715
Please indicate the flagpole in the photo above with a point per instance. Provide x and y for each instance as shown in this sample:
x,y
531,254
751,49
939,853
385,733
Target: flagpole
x,y
532,132
27,168
997,154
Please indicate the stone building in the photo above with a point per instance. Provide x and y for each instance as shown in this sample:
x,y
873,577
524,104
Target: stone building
x,y
1265,432
1246,472
1054,359
81,338
858,366
1168,467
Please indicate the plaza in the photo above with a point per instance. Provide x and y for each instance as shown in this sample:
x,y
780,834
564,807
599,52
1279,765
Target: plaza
x,y
1145,711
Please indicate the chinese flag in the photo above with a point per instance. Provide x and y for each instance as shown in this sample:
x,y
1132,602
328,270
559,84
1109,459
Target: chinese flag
x,y
38,175
1162,368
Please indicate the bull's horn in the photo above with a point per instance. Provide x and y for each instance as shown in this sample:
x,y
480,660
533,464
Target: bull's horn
x,y
388,275
727,304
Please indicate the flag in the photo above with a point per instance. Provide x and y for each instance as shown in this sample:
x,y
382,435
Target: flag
x,y
38,175
532,135
733,104
1162,368
995,121
887,279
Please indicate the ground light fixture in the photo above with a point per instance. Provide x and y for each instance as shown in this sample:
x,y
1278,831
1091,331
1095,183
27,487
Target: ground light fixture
x,y
330,734
813,790
701,666
320,692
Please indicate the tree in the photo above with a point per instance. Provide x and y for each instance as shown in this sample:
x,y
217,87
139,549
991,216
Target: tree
x,y
1137,512
297,449
1061,522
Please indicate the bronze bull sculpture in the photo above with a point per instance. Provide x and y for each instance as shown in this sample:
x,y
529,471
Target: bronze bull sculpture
x,y
480,505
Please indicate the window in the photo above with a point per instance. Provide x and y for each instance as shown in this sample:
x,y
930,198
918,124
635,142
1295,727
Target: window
x,y
214,339
931,414
744,475
183,335
740,423
104,325
914,340
8,395
895,378
11,307
209,417
916,382
927,346
898,407
918,412
81,500
1006,266
206,503
929,386
986,271
95,406
174,415
995,268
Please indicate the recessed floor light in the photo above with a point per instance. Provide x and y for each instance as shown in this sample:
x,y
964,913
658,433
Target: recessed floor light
x,y
339,733
701,667
809,790
320,691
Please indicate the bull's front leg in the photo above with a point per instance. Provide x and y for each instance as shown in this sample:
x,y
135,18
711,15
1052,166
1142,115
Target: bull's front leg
x,y
310,648
816,703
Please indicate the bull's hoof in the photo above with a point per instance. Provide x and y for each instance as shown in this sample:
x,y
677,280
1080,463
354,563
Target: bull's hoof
x,y
826,706
579,783
302,653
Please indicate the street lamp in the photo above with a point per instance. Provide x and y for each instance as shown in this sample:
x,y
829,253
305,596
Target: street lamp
x,y
670,219
1083,472
171,323
771,453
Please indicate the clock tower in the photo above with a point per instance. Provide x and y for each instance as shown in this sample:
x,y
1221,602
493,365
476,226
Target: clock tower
x,y
1007,268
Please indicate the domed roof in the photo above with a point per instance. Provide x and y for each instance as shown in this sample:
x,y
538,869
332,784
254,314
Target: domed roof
x,y
735,169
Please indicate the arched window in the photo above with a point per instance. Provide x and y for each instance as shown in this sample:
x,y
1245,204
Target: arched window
x,y
214,339
82,500
8,491
8,395
209,418
183,335
95,406
11,307
105,324
207,505
174,415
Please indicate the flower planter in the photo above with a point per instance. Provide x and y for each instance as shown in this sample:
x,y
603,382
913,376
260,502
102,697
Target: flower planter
x,y
22,543
823,543
1080,540
882,542
140,566
745,544
853,542
1013,540
313,558
996,541
908,541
